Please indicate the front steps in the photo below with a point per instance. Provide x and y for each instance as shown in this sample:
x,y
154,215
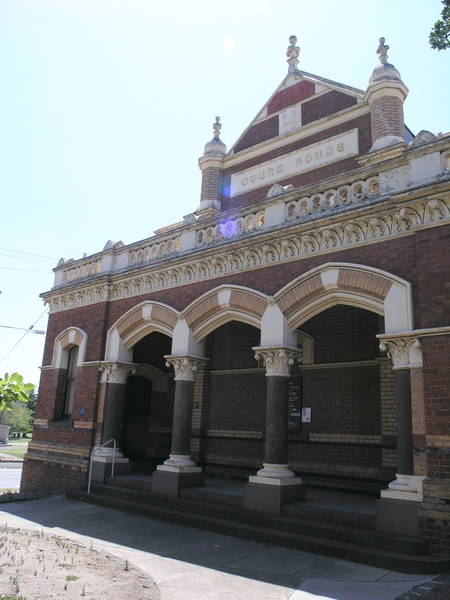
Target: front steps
x,y
313,526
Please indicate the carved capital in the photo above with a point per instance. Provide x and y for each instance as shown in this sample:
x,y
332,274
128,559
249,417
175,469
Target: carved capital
x,y
405,352
115,372
185,365
278,360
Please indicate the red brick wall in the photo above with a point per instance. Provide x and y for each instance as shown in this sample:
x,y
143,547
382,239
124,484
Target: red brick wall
x,y
291,95
89,318
325,105
50,394
51,476
258,133
231,346
238,402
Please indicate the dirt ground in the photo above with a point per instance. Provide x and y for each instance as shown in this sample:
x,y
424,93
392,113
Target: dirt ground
x,y
34,566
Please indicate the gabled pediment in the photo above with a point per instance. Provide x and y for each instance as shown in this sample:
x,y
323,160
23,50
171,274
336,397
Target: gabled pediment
x,y
299,100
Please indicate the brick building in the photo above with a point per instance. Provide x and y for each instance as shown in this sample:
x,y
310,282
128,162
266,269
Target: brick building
x,y
294,329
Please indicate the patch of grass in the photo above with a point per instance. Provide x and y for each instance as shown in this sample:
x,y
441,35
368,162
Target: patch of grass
x,y
17,449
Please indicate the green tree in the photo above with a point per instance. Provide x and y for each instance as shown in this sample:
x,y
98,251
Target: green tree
x,y
32,399
13,389
440,34
18,416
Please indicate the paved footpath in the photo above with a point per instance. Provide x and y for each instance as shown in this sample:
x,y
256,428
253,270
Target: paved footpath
x,y
200,565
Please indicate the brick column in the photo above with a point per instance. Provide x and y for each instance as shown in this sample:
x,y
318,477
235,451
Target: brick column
x,y
385,95
179,471
211,166
275,484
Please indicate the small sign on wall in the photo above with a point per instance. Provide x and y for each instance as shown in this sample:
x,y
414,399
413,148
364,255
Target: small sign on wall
x,y
306,415
295,404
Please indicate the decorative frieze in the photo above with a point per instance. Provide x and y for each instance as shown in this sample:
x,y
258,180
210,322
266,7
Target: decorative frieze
x,y
354,230
278,359
405,352
185,366
343,196
153,251
115,372
230,228
82,271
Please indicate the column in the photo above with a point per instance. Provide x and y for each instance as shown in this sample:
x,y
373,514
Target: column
x,y
397,507
275,484
179,471
113,380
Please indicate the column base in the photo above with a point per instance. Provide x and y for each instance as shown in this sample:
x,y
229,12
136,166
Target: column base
x,y
405,487
276,471
168,481
179,460
102,467
400,517
269,494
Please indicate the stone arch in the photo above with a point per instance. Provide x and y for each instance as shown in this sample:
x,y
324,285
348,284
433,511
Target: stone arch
x,y
223,304
135,324
67,339
355,285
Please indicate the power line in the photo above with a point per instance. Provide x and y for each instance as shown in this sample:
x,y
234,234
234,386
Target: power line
x,y
29,270
28,253
37,331
32,259
27,331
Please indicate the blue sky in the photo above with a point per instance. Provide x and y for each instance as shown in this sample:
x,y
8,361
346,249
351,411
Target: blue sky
x,y
106,105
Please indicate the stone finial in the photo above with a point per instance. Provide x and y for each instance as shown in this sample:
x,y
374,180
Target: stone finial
x,y
384,70
217,126
292,53
216,146
382,50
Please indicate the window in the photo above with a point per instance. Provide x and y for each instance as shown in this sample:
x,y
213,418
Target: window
x,y
70,380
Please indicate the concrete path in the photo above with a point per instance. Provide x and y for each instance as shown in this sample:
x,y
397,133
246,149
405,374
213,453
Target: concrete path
x,y
199,565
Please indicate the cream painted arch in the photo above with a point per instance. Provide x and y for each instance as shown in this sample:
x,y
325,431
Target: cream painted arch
x,y
223,304
67,339
135,324
352,284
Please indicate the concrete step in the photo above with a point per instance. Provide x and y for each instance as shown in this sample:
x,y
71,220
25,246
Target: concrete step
x,y
406,555
302,510
315,524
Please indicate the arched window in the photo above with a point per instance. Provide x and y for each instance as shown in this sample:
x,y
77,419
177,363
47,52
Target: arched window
x,y
72,359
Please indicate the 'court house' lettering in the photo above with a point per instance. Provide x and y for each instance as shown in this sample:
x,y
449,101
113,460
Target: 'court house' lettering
x,y
312,157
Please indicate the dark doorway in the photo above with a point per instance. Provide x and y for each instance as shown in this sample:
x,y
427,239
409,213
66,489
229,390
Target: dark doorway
x,y
136,417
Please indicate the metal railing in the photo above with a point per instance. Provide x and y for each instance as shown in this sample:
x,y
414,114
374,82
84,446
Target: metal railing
x,y
92,460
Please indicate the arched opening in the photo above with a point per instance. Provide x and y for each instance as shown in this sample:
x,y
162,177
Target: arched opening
x,y
148,413
348,429
235,416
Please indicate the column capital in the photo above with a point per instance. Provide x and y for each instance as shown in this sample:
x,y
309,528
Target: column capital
x,y
115,372
185,365
405,351
278,359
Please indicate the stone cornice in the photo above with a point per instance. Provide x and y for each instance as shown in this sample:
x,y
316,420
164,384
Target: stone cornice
x,y
295,239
